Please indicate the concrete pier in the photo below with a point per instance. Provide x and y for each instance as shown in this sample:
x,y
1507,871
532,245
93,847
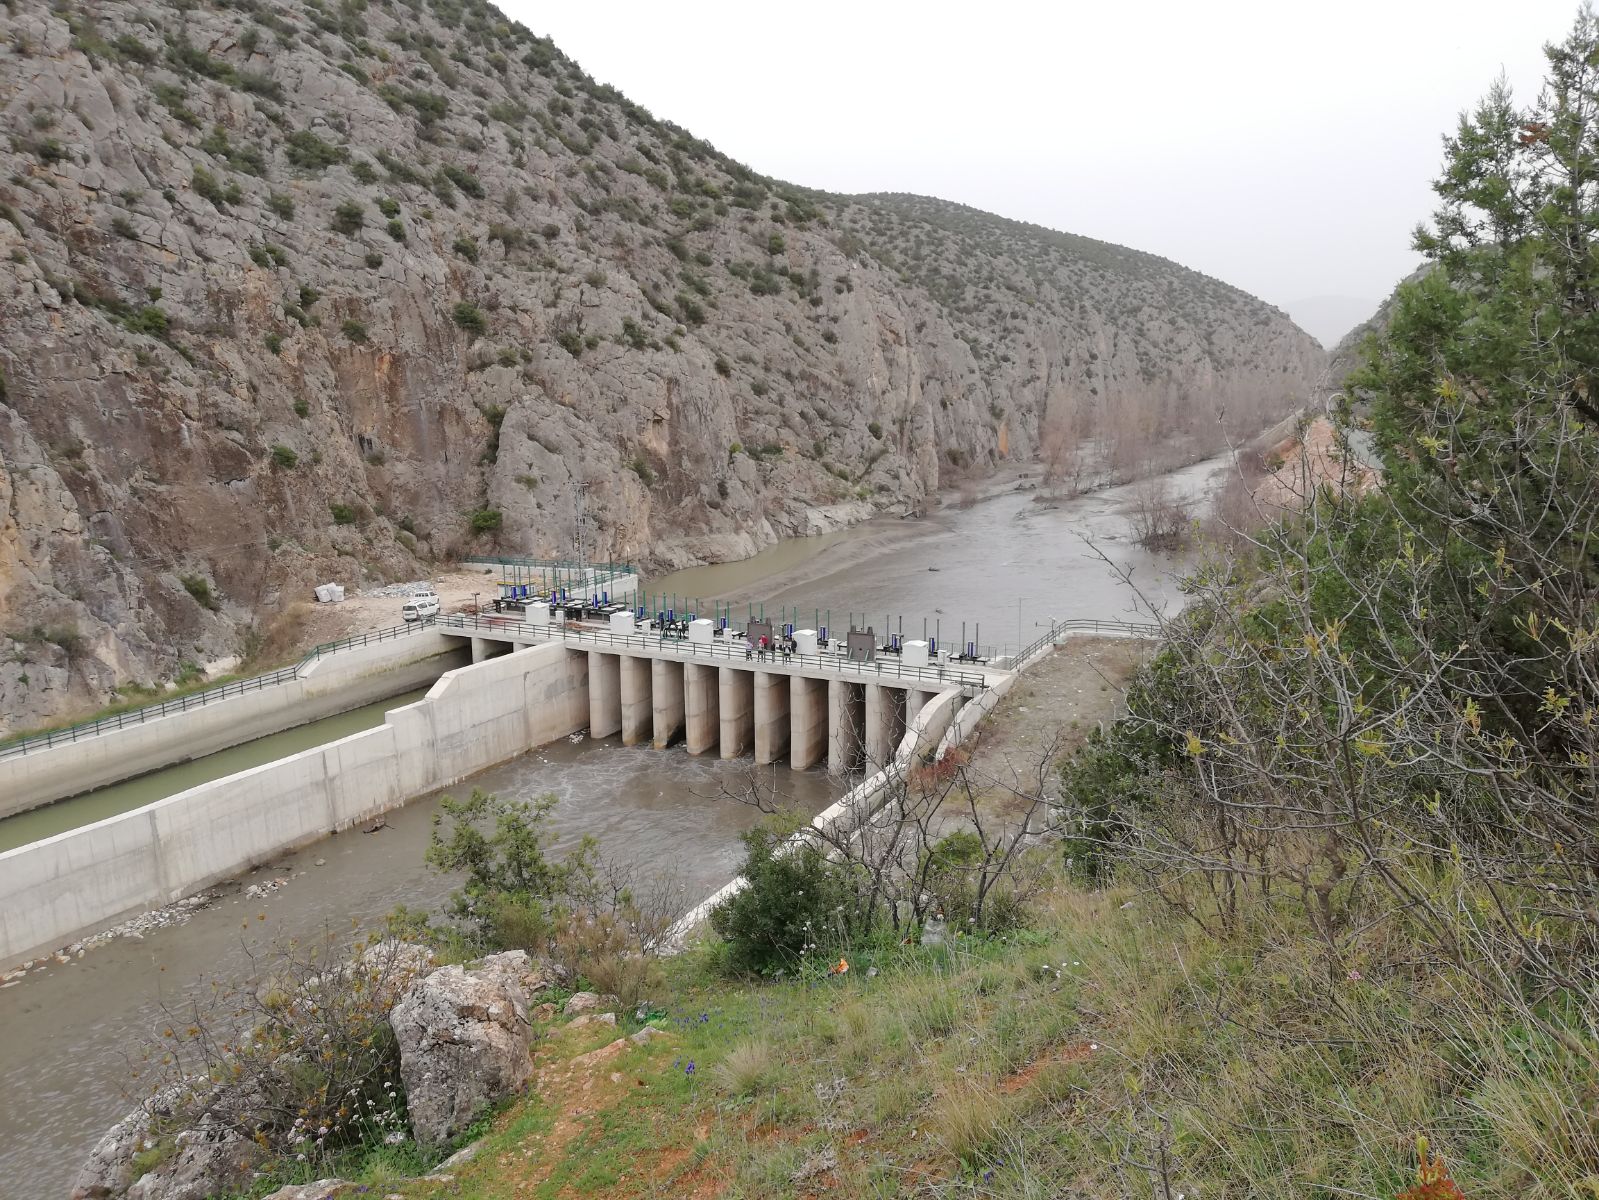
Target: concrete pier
x,y
702,726
736,704
846,725
772,731
885,724
638,716
605,694
807,699
666,704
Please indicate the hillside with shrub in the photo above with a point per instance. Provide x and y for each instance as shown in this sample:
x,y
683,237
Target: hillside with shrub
x,y
333,290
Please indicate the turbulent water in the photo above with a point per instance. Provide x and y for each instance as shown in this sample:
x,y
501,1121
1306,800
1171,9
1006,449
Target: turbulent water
x,y
1005,564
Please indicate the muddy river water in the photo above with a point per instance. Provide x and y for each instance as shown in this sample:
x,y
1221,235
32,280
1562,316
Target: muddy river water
x,y
1006,564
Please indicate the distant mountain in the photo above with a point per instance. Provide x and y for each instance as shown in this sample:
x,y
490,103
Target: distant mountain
x,y
1329,318
296,291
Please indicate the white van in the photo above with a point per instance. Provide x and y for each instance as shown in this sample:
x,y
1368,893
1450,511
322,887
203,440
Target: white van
x,y
421,607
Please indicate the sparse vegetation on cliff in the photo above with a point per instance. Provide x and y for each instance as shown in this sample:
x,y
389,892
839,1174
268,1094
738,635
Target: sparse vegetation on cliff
x,y
442,142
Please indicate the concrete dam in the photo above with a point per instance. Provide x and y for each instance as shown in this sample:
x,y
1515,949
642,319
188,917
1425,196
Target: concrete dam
x,y
507,686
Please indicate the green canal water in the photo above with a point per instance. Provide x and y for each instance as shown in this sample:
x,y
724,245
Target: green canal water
x,y
158,785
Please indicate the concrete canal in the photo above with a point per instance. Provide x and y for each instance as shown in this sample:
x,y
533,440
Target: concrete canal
x,y
134,793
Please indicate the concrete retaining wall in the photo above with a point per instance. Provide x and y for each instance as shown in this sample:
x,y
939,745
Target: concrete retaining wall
x,y
333,684
925,735
472,718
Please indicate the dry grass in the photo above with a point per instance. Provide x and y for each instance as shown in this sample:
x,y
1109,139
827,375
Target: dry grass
x,y
748,1068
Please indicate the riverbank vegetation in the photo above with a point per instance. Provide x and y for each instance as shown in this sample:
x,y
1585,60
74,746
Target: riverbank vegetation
x,y
1319,915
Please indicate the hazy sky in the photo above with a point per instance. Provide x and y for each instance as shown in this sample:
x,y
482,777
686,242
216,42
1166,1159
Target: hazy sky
x,y
1286,148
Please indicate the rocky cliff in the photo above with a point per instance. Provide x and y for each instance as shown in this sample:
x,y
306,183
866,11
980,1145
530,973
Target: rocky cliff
x,y
305,290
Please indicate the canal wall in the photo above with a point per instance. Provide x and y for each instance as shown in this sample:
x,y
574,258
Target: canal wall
x,y
928,734
473,717
332,684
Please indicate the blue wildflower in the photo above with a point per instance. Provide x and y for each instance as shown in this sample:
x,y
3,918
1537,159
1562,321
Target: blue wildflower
x,y
689,1070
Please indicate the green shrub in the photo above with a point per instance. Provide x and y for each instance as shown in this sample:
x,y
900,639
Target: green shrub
x,y
200,588
787,911
388,206
363,171
875,429
302,407
467,248
486,520
281,206
464,180
469,317
396,230
310,153
283,457
374,259
49,151
348,218
511,885
148,320
343,514
123,227
213,189
355,331
723,367
690,309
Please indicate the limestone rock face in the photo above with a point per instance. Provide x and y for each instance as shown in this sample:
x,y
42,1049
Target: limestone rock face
x,y
587,1002
210,1161
108,1172
465,1042
322,1189
264,264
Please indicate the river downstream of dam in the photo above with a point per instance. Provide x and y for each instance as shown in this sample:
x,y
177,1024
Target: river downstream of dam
x,y
1006,563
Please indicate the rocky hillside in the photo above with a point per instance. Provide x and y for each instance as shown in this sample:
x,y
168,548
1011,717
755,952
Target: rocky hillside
x,y
306,290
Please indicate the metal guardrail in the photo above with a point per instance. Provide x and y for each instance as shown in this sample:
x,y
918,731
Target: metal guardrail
x,y
590,574
149,712
363,639
877,668
51,738
1086,625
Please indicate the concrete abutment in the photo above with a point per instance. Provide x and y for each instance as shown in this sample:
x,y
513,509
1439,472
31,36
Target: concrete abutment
x,y
702,726
772,724
605,694
666,701
846,725
638,715
808,709
736,708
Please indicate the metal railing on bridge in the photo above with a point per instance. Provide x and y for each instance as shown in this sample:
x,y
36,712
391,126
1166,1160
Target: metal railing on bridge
x,y
835,663
50,738
1141,629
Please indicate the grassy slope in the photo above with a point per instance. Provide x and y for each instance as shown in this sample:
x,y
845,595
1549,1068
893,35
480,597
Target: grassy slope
x,y
1072,1060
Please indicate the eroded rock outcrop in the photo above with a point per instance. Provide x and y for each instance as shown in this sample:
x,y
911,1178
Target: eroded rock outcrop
x,y
295,292
465,1041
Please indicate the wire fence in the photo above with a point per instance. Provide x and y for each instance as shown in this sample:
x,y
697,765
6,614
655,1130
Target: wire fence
x,y
731,650
51,738
1141,629
560,572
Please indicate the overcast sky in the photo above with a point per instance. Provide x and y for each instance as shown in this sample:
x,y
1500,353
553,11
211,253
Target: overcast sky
x,y
1286,148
